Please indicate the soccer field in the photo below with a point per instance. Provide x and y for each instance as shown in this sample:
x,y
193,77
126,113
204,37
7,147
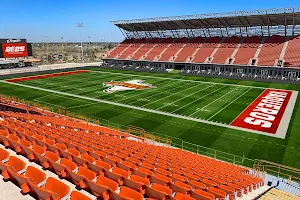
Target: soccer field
x,y
198,110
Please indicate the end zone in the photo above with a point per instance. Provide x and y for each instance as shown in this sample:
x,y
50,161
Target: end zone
x,y
269,114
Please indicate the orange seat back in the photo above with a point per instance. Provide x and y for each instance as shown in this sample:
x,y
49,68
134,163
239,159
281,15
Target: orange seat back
x,y
68,164
16,163
107,182
162,188
57,187
88,174
130,193
36,175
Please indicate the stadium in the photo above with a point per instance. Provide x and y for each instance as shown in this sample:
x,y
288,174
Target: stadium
x,y
186,107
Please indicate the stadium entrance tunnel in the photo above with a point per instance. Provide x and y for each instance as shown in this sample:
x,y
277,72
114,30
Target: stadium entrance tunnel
x,y
179,67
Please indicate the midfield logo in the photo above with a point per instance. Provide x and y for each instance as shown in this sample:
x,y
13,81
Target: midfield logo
x,y
115,86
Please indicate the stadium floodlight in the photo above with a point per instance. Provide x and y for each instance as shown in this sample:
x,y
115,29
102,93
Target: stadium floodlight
x,y
62,48
47,48
80,25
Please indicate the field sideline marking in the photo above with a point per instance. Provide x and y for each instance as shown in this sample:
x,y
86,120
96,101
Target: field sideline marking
x,y
198,99
229,103
171,94
176,79
186,96
142,109
212,102
247,107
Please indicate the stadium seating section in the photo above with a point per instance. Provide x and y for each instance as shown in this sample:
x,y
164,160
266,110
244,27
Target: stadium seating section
x,y
229,50
106,163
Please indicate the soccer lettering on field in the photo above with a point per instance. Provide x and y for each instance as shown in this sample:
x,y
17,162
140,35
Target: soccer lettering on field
x,y
266,113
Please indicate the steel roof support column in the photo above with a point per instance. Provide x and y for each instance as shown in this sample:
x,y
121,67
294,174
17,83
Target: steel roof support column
x,y
124,33
187,24
293,29
268,23
285,24
262,24
156,29
224,25
187,33
146,32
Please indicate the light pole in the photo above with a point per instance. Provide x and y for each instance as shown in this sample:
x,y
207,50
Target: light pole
x,y
62,49
80,25
47,49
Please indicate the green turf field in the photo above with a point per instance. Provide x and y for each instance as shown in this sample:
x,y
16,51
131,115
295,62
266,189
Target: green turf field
x,y
209,99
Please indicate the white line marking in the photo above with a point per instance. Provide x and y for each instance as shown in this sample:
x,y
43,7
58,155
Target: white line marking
x,y
170,95
198,99
151,90
185,96
212,102
247,107
175,79
287,115
143,109
229,104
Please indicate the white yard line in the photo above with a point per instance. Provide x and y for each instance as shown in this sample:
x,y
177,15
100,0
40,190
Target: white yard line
x,y
212,102
175,79
141,109
247,107
198,99
170,95
186,96
152,91
229,104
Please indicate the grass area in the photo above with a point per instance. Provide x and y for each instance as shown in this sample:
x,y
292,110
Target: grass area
x,y
211,99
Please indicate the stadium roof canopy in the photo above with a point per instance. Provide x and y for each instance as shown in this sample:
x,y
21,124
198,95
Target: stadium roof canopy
x,y
263,21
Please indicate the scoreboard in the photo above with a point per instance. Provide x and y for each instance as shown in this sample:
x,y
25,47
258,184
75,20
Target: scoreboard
x,y
15,48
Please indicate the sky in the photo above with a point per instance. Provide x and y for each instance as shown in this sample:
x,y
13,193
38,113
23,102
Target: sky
x,y
37,20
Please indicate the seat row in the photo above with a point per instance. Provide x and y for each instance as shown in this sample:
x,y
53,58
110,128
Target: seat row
x,y
90,156
199,49
34,181
52,158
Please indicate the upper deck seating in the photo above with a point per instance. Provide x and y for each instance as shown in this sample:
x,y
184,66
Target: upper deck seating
x,y
271,50
206,50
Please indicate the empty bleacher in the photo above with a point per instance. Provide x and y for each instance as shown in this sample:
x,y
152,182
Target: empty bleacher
x,y
265,51
292,55
271,50
106,162
225,50
149,44
206,49
161,45
132,48
247,50
173,49
189,49
120,48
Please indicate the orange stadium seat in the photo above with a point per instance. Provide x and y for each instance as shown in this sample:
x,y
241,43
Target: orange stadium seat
x,y
107,165
32,174
53,189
